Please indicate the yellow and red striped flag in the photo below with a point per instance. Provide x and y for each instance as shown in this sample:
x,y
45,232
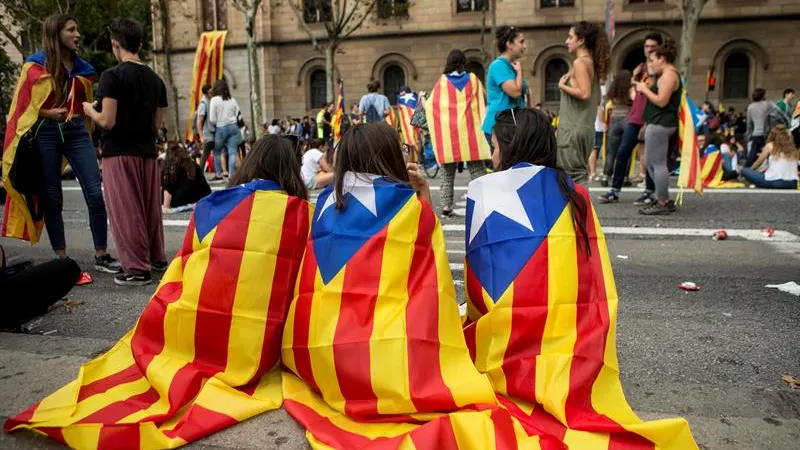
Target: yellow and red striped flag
x,y
455,111
205,354
690,169
208,67
22,218
338,115
712,170
391,119
543,310
406,104
373,338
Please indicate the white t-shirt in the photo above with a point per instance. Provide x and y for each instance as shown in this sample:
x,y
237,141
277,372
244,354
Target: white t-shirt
x,y
222,112
274,129
781,169
310,164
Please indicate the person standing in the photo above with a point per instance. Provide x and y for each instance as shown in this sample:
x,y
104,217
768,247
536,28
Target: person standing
x,y
203,126
374,106
133,101
580,96
505,86
224,114
785,105
620,95
53,84
663,103
757,113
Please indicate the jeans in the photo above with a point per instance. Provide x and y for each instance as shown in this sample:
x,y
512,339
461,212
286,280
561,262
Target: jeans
x,y
613,141
627,143
71,140
226,137
759,180
756,145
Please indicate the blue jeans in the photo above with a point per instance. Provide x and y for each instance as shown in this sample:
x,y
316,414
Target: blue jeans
x,y
756,145
758,179
628,142
226,137
71,140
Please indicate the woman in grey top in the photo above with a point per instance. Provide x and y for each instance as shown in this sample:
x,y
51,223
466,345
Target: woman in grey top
x,y
580,89
756,134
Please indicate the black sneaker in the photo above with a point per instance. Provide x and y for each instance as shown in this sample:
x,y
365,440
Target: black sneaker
x,y
129,279
656,209
644,200
609,197
447,211
159,266
107,264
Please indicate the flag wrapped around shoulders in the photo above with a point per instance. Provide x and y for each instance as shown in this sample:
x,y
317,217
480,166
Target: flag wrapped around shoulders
x,y
713,168
689,120
391,118
455,110
208,67
338,115
205,352
373,338
543,316
406,104
33,92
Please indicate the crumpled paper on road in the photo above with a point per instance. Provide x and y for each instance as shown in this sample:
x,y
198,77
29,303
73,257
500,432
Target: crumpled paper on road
x,y
790,287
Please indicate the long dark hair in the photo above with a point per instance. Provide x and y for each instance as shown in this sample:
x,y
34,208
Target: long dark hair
x,y
221,88
54,51
272,158
456,61
525,135
596,41
177,159
372,148
620,90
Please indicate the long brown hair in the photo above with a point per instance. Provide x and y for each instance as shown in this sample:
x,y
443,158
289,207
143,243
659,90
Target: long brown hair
x,y
272,158
526,136
177,159
372,148
54,51
620,90
782,143
595,40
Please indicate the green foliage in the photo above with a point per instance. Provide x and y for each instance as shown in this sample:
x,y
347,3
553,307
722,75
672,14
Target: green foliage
x,y
8,79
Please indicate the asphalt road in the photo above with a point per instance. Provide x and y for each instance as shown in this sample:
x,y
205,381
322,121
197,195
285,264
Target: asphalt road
x,y
715,356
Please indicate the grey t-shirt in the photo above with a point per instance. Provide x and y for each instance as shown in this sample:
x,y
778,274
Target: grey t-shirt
x,y
208,127
757,118
380,102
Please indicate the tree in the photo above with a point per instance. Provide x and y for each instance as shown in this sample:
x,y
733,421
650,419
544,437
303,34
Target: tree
x,y
166,42
691,11
341,19
8,79
250,9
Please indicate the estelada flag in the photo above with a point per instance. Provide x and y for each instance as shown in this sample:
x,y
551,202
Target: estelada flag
x,y
406,104
373,338
391,118
205,354
336,121
208,67
33,92
712,170
543,310
455,111
688,122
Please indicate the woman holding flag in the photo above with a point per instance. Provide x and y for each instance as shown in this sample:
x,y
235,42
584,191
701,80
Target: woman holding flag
x,y
48,104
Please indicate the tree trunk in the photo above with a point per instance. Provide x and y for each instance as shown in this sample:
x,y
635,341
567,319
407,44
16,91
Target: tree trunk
x,y
494,27
692,9
255,74
330,51
166,43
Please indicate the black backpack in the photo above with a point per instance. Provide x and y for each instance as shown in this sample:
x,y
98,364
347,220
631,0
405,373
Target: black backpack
x,y
373,115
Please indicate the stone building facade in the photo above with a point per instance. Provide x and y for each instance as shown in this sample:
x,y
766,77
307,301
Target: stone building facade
x,y
750,43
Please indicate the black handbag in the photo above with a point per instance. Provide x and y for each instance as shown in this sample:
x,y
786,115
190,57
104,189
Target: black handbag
x,y
26,174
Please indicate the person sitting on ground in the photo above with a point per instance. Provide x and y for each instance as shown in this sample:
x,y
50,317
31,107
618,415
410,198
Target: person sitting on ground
x,y
731,148
316,171
707,145
182,180
29,290
781,157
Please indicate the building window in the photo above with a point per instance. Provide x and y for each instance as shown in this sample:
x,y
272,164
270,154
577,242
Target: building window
x,y
736,76
556,3
215,15
392,8
317,11
394,77
318,92
469,5
553,71
478,69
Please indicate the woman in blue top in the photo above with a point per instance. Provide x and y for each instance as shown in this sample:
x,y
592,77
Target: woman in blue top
x,y
504,84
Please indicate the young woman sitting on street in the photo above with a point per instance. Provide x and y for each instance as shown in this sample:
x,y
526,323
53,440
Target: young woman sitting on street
x,y
182,180
781,157
316,171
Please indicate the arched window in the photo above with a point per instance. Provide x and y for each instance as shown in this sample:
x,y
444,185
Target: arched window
x,y
318,92
394,77
478,69
553,71
736,76
634,58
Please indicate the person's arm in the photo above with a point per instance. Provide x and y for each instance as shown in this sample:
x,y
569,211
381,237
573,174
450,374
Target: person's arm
x,y
201,117
513,87
763,156
750,125
582,76
418,182
167,201
57,114
386,107
667,84
107,118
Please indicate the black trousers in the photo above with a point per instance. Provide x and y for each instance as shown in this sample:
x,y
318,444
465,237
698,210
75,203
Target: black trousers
x,y
27,294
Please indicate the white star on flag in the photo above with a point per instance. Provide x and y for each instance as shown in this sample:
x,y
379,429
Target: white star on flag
x,y
497,192
359,186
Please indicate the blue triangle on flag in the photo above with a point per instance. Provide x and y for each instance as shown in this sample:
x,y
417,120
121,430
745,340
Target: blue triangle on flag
x,y
459,81
211,210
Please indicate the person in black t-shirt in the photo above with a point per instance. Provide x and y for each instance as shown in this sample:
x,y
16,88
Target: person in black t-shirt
x,y
133,102
182,180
